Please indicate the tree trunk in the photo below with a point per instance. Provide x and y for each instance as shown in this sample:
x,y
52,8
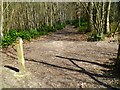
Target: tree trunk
x,y
118,55
90,17
51,15
107,26
117,64
1,22
46,14
102,17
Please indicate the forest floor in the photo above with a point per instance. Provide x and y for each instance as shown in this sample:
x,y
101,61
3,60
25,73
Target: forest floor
x,y
63,59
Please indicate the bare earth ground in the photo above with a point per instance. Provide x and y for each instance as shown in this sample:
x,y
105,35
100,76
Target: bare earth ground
x,y
63,59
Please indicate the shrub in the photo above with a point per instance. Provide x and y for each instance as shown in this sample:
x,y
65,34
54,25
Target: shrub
x,y
96,36
34,33
6,41
44,29
13,34
27,34
59,25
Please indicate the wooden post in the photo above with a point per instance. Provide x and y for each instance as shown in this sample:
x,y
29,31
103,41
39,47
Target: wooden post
x,y
19,47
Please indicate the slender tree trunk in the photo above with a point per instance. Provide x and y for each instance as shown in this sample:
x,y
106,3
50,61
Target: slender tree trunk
x,y
1,22
60,14
78,12
107,25
46,14
51,15
90,17
54,10
101,19
102,16
26,17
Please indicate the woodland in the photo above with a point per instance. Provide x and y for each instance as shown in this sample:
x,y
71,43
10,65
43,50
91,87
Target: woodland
x,y
63,29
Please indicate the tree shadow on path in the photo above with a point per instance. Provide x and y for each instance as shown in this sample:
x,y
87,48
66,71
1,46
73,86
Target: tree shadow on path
x,y
82,70
95,63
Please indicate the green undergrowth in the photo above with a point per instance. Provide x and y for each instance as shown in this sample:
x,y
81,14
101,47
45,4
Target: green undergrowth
x,y
80,25
96,36
29,34
113,29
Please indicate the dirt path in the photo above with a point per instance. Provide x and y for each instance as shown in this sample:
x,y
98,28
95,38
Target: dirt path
x,y
67,34
62,60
